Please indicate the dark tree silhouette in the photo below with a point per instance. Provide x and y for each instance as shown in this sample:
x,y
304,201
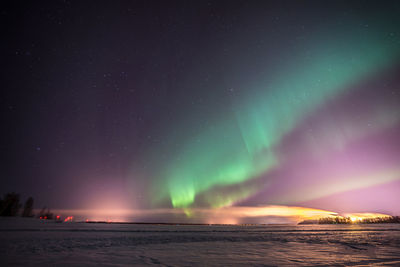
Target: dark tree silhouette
x,y
347,220
28,208
10,205
45,214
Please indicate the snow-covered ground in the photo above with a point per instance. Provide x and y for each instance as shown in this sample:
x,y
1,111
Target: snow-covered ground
x,y
32,242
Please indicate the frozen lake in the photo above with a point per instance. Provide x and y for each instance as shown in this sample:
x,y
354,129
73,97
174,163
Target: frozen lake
x,y
30,242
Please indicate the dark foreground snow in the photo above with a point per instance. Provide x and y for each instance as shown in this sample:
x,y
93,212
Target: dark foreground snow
x,y
30,242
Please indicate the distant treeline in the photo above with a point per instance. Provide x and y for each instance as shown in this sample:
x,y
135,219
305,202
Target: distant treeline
x,y
10,206
348,220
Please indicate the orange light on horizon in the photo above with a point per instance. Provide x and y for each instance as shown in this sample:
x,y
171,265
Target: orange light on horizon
x,y
362,216
226,215
353,219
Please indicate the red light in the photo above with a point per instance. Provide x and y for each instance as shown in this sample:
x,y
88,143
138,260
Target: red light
x,y
69,218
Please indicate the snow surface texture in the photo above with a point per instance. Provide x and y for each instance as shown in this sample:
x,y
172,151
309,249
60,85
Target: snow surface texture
x,y
31,242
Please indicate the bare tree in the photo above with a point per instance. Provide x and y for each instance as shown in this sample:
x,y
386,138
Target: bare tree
x,y
28,208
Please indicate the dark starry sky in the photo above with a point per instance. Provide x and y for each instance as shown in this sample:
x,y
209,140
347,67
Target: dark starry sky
x,y
87,86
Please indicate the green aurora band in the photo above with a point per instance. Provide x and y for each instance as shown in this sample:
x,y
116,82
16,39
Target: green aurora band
x,y
241,147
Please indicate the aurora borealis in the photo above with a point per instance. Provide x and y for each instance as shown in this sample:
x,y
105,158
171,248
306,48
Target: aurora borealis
x,y
204,108
242,148
245,144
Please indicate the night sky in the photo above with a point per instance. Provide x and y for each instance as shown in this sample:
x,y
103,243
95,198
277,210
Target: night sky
x,y
202,104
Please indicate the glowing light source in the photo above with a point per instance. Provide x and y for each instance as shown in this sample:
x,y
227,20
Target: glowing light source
x,y
69,219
